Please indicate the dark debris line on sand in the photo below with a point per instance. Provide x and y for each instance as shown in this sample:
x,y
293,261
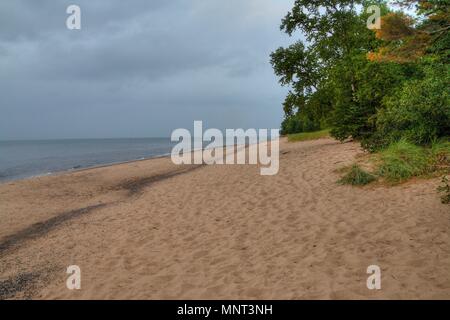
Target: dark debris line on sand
x,y
41,228
23,282
135,186
27,283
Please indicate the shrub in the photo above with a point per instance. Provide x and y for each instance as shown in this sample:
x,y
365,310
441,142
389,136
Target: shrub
x,y
357,176
299,123
420,111
359,89
290,125
374,142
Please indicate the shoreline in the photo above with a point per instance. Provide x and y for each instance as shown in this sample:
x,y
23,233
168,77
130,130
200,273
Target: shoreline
x,y
67,171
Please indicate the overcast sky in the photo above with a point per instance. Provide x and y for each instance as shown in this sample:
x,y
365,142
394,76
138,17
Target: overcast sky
x,y
138,68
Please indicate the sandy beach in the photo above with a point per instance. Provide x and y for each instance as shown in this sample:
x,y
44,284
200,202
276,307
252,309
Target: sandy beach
x,y
154,230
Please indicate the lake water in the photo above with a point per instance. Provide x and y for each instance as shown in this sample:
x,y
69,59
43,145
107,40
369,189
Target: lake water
x,y
28,158
22,159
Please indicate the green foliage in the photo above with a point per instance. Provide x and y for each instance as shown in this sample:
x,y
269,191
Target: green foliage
x,y
356,106
420,110
378,102
403,160
357,177
303,136
312,117
298,66
375,142
298,123
334,31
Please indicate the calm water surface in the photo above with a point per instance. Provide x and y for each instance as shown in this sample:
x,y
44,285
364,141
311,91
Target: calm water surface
x,y
22,159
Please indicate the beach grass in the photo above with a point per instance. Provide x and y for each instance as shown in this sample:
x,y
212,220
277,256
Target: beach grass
x,y
403,160
304,136
357,177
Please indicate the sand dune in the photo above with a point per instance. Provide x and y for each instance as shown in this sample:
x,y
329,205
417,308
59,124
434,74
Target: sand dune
x,y
153,230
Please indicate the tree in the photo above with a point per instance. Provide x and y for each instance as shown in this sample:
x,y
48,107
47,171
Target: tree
x,y
303,65
407,40
334,33
375,86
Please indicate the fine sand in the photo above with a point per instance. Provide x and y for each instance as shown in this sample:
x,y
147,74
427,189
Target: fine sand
x,y
153,230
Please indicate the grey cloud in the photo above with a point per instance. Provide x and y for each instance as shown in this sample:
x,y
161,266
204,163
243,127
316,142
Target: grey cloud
x,y
137,67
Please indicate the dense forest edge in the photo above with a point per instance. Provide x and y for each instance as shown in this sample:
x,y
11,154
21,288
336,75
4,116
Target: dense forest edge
x,y
376,72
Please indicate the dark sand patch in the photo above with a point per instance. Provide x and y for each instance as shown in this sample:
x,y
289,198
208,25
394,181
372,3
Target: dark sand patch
x,y
21,283
42,228
135,185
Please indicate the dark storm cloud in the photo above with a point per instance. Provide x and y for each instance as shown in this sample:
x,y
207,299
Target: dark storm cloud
x,y
137,68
